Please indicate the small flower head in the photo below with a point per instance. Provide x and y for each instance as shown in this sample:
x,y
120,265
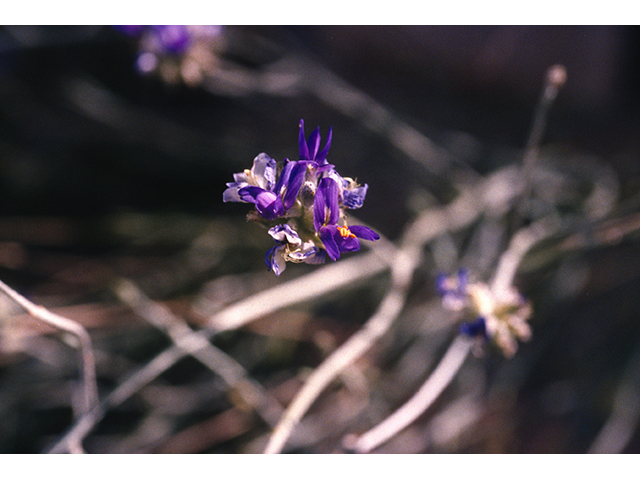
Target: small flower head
x,y
309,148
303,203
289,247
326,213
453,290
176,52
498,317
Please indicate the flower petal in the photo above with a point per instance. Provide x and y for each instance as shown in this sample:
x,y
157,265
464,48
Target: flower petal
x,y
326,234
346,244
354,197
302,143
317,259
331,194
264,171
314,143
308,253
363,232
284,175
268,204
231,194
285,234
321,158
275,260
318,210
294,183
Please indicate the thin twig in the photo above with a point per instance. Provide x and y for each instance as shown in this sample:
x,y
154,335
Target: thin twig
x,y
446,370
520,244
316,284
555,78
619,428
339,275
342,357
198,345
88,366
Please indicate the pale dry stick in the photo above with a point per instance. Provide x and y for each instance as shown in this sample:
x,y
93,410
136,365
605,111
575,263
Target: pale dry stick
x,y
348,352
313,285
555,78
90,386
619,428
122,392
439,379
329,278
521,242
404,261
198,345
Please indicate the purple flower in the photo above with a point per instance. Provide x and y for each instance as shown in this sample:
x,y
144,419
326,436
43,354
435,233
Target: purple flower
x,y
476,328
173,38
259,186
453,290
130,30
309,197
326,213
290,247
309,149
498,317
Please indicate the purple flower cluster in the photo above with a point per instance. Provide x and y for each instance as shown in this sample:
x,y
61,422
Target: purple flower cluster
x,y
304,202
175,51
169,38
496,317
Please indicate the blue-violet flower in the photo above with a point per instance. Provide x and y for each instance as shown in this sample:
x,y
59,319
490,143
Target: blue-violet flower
x,y
303,202
177,52
498,317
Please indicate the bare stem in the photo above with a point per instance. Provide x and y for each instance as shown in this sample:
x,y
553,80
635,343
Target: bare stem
x,y
339,275
619,428
313,285
88,367
446,370
198,345
329,369
520,244
555,78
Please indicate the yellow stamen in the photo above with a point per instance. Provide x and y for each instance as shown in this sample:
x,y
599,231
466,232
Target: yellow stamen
x,y
345,232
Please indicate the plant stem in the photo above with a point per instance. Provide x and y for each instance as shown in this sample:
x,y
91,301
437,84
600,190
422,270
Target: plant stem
x,y
446,370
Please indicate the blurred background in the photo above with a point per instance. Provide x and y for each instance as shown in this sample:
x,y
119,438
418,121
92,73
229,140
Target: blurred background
x,y
115,147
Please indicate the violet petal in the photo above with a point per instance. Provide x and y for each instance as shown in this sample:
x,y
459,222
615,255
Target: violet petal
x,y
363,232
